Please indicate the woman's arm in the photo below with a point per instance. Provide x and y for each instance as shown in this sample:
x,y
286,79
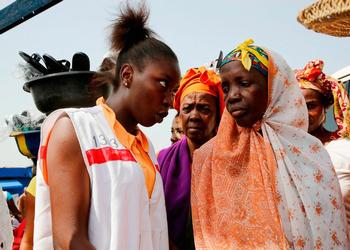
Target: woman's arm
x,y
14,210
27,240
69,188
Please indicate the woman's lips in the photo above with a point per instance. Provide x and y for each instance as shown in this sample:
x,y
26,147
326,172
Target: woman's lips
x,y
238,112
193,129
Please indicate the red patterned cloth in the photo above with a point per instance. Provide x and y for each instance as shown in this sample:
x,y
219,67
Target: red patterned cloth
x,y
312,77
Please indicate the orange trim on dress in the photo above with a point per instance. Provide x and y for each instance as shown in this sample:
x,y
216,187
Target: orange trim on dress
x,y
138,145
43,155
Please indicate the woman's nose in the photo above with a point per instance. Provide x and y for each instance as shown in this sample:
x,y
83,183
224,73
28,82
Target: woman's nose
x,y
233,94
168,99
194,114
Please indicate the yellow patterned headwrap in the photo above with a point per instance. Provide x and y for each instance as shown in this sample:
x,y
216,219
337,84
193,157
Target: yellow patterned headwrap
x,y
250,56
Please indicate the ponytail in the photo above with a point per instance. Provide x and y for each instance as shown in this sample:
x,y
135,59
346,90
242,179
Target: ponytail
x,y
135,41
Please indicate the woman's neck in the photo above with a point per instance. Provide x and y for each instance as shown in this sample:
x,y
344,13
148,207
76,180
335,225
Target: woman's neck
x,y
192,147
117,102
322,134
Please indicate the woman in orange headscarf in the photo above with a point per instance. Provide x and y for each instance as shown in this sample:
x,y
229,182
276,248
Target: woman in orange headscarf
x,y
263,182
199,101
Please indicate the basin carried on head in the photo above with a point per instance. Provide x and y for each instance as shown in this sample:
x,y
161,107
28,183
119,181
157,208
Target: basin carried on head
x,y
65,90
27,142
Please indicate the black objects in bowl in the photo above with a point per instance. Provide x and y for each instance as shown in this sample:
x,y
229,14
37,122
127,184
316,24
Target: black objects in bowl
x,y
65,90
80,62
34,61
54,66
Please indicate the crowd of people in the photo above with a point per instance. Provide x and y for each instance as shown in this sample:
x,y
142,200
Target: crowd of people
x,y
250,166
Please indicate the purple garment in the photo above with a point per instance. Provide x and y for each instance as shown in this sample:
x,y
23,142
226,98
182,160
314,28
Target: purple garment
x,y
175,169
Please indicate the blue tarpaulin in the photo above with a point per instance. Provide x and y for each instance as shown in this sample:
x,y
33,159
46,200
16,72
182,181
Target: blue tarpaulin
x,y
21,10
14,180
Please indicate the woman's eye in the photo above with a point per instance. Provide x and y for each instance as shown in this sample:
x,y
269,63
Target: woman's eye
x,y
206,111
310,106
245,83
179,131
163,83
225,88
185,109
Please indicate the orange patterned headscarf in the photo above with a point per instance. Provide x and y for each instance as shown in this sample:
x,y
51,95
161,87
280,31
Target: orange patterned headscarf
x,y
312,77
201,80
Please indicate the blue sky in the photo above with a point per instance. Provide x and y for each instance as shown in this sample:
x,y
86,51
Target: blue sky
x,y
195,30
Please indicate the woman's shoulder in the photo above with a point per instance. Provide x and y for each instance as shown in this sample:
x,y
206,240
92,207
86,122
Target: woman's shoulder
x,y
32,187
202,153
165,151
339,147
339,144
207,146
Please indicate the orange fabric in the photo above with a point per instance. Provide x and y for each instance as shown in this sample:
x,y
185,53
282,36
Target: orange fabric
x,y
138,145
200,80
43,155
197,87
236,195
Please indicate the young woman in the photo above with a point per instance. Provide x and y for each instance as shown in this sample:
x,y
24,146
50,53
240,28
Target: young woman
x,y
29,210
263,182
97,185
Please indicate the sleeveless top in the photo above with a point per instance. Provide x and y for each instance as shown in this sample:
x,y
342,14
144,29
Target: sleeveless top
x,y
121,216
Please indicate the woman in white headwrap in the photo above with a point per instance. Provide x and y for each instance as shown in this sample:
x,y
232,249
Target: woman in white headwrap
x,y
263,182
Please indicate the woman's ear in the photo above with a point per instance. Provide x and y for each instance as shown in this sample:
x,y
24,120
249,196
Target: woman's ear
x,y
126,75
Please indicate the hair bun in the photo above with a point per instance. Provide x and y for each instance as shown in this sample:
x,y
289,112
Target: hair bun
x,y
130,28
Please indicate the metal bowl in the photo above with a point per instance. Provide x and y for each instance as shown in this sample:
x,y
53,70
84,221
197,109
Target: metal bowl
x,y
65,90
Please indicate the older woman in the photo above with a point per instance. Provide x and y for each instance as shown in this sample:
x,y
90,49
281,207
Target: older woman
x,y
199,101
263,182
320,92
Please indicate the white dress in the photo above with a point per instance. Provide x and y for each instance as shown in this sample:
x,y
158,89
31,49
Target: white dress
x,y
339,150
121,217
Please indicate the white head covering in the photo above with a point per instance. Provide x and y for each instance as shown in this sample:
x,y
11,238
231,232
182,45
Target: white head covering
x,y
311,206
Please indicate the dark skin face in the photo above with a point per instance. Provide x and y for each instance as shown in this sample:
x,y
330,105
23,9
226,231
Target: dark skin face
x,y
315,107
198,113
144,95
176,130
245,93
